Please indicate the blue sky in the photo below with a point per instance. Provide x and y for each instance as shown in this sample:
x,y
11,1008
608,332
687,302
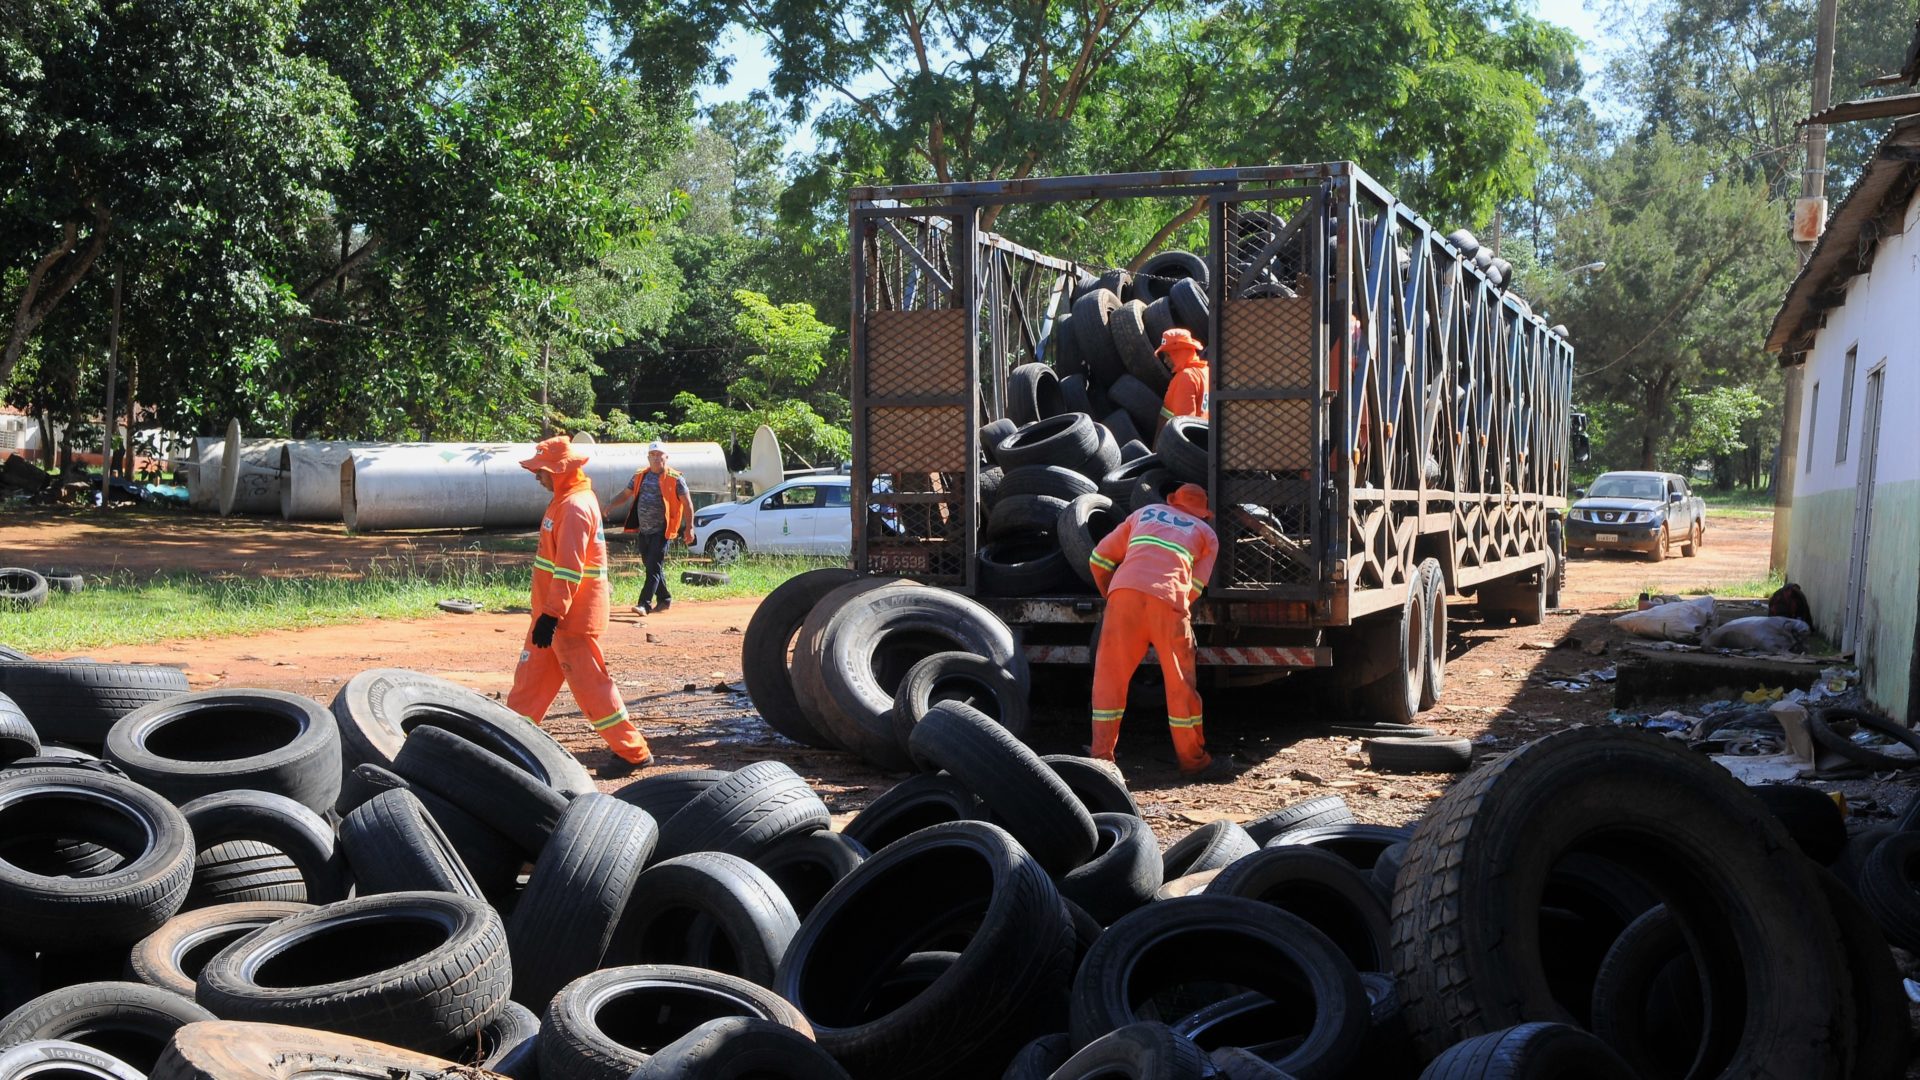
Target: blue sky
x,y
752,66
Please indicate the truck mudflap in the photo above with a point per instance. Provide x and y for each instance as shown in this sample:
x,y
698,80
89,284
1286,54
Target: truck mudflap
x,y
1262,656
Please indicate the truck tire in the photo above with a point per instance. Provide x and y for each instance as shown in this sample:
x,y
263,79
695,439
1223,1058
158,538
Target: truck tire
x,y
1137,400
1081,526
965,880
17,737
77,703
1660,545
378,707
1030,565
503,796
1685,828
1433,678
1183,447
1049,481
394,846
1514,599
1236,941
21,589
1068,440
1093,335
916,803
1123,873
1557,544
171,957
990,479
1327,891
808,865
740,1046
565,918
132,1021
1188,302
226,740
1010,780
870,644
706,909
764,652
1394,698
605,1025
1033,393
116,906
1647,1002
964,677
303,837
1129,327
751,810
423,971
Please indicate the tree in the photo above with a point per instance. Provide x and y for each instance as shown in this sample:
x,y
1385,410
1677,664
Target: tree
x,y
779,386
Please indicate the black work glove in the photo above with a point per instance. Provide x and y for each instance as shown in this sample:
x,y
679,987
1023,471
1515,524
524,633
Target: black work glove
x,y
543,628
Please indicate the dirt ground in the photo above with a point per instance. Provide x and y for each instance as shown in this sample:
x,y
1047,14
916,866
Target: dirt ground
x,y
680,672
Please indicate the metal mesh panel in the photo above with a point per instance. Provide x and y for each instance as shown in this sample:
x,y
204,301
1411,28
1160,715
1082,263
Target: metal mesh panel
x,y
1266,345
1265,413
1276,436
925,439
914,353
1266,258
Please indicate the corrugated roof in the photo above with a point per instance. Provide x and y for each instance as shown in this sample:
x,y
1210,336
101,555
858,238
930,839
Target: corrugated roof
x,y
1873,108
1853,234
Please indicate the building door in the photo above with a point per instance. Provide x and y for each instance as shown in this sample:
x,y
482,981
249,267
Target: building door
x,y
1852,626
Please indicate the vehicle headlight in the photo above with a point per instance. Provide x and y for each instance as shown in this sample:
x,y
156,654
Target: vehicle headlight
x,y
701,521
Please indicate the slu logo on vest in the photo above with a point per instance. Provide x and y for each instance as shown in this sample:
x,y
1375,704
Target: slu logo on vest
x,y
1167,517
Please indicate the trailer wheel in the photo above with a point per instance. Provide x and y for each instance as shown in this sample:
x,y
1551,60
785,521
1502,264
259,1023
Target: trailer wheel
x,y
1394,698
1556,561
1433,586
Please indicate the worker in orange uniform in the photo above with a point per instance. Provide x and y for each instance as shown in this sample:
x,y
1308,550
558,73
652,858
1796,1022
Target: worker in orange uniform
x,y
570,611
1150,569
1187,391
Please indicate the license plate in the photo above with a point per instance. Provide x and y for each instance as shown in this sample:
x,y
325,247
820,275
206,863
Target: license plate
x,y
1607,538
899,560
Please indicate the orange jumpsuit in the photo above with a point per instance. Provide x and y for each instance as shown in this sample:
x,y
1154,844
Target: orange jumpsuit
x,y
1187,392
570,583
1150,569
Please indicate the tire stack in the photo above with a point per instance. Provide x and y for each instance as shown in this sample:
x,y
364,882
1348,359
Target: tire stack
x,y
1071,458
1596,903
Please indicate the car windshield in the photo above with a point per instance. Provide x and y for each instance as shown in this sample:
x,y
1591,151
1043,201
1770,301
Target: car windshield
x,y
1628,487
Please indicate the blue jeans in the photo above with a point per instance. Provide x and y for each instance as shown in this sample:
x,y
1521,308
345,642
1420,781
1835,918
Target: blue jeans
x,y
653,552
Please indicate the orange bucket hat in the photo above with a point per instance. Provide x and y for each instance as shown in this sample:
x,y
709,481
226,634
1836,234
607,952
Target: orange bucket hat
x,y
555,455
1178,339
1193,499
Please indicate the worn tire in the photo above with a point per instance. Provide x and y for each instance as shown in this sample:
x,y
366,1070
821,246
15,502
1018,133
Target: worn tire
x,y
1048,480
1812,818
1093,335
1183,445
1433,675
1887,891
1075,395
503,796
1081,526
1821,722
171,957
17,737
915,803
1069,440
1033,392
1688,829
241,871
1011,780
58,1057
750,811
1648,1002
1327,891
1236,941
1143,1051
1423,754
1188,302
663,794
770,635
21,589
1022,518
423,971
1098,785
605,1025
1535,1051
509,1038
395,846
118,906
241,1051
740,1048
806,866
1121,425
1354,842
1123,873
1023,565
991,436
78,703
227,740
870,644
377,708
303,837
1129,326
1394,697
963,677
130,1021
964,880
1209,847
1883,1038
1062,349
1138,401
565,918
708,910
1118,485
1323,810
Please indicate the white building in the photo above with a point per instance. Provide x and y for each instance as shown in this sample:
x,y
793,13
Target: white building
x,y
1852,319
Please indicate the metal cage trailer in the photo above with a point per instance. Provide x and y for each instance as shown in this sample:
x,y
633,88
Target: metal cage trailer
x,y
1387,425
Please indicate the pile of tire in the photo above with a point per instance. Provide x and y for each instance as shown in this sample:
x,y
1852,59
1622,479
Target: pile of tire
x,y
1072,457
248,885
22,589
850,663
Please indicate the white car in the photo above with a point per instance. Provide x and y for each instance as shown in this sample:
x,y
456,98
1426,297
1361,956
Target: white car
x,y
810,515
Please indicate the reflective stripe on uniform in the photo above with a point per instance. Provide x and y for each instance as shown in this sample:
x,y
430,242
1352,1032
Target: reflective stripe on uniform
x,y
1183,721
1108,716
541,562
1168,544
607,722
1102,562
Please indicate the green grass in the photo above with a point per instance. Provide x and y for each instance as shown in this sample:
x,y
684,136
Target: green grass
x,y
121,609
1751,589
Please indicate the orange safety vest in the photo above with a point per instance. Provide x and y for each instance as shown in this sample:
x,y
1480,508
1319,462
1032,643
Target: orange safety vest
x,y
570,567
1160,551
673,488
1187,392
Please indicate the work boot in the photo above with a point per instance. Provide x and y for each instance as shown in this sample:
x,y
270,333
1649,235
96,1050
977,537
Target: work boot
x,y
1218,771
662,605
620,768
642,609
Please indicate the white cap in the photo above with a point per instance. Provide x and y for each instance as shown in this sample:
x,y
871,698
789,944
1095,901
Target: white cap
x,y
656,445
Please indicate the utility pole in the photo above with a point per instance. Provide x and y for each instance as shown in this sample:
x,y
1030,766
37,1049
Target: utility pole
x,y
1809,221
546,372
107,418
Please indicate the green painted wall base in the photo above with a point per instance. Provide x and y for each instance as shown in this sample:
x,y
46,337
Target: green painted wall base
x,y
1821,542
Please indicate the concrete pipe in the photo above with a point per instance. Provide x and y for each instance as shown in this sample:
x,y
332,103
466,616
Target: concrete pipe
x,y
310,478
467,485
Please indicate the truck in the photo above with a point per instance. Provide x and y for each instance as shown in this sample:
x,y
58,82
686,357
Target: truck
x,y
1388,426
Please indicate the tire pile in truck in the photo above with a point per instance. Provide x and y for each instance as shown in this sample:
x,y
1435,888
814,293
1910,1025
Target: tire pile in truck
x,y
415,883
1072,457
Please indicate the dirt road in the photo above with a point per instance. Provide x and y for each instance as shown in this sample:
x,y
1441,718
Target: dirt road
x,y
680,672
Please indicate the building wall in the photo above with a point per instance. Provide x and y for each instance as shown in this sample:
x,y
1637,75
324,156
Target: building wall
x,y
1881,320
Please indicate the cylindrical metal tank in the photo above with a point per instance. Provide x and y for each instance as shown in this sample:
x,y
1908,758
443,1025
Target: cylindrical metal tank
x,y
469,485
310,478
